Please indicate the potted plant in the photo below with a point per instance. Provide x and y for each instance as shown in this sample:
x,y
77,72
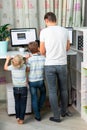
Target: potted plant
x,y
4,38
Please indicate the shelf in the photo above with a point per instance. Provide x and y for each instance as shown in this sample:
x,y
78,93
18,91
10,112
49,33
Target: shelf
x,y
80,29
84,91
79,71
71,67
84,66
71,52
79,41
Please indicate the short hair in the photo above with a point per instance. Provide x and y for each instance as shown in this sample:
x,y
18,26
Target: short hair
x,y
50,16
33,47
38,41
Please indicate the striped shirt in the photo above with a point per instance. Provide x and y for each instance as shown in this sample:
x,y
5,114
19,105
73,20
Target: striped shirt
x,y
18,75
36,65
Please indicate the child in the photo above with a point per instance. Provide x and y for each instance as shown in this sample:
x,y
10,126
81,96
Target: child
x,y
18,71
35,63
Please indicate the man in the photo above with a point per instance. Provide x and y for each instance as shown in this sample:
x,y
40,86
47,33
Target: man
x,y
54,42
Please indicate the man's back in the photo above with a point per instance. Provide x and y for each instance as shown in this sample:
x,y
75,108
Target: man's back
x,y
55,39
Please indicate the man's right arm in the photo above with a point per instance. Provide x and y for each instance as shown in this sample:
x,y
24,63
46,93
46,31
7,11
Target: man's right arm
x,y
42,48
68,45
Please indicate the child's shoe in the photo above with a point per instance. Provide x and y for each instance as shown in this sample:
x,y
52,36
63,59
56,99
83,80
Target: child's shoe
x,y
21,122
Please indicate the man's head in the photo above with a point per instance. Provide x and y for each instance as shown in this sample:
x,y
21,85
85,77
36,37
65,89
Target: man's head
x,y
50,18
33,47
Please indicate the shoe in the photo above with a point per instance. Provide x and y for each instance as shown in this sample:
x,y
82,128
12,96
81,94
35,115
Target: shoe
x,y
69,114
21,122
38,119
54,119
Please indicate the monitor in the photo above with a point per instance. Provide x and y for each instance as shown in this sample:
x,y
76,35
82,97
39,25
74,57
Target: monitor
x,y
22,36
70,30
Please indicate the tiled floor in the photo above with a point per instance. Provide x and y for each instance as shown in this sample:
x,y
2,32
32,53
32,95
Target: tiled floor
x,y
68,123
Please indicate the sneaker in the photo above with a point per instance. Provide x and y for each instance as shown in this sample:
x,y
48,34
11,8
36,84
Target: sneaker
x,y
69,114
38,119
54,119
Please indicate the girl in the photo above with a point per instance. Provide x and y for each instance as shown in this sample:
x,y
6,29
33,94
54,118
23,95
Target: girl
x,y
18,71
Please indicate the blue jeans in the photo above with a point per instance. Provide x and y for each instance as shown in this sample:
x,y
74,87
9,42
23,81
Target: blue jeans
x,y
38,99
20,96
54,74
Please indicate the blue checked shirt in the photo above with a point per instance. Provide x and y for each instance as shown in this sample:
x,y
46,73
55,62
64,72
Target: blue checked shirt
x,y
36,65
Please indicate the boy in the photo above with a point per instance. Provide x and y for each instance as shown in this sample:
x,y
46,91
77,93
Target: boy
x,y
35,64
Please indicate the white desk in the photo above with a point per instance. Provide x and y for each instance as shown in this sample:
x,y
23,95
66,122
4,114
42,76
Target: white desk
x,y
12,54
71,52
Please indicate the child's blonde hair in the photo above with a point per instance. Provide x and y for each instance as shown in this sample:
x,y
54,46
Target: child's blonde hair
x,y
17,61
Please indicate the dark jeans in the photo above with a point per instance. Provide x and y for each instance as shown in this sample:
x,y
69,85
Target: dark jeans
x,y
20,96
38,99
53,74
